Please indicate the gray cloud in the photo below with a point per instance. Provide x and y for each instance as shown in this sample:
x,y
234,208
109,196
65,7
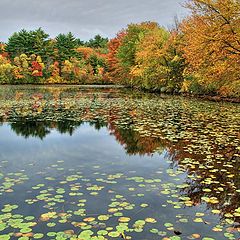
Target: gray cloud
x,y
84,18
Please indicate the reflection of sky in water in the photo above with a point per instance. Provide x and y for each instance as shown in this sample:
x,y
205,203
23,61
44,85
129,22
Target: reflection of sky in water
x,y
86,144
96,154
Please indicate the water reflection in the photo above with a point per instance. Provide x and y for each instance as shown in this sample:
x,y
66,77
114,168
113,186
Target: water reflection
x,y
197,138
31,128
132,141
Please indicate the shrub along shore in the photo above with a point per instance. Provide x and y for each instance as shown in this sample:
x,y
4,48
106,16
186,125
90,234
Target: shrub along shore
x,y
199,56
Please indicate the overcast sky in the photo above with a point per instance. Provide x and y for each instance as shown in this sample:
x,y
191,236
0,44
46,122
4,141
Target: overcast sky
x,y
84,18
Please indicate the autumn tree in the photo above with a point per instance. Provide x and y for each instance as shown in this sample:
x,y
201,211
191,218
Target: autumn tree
x,y
151,66
85,52
175,61
2,48
114,67
212,46
22,68
37,67
54,73
6,70
148,57
93,58
127,51
97,62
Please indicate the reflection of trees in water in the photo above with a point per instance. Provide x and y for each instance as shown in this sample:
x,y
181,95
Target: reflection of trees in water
x,y
66,127
98,124
136,143
31,129
217,181
133,142
227,198
40,129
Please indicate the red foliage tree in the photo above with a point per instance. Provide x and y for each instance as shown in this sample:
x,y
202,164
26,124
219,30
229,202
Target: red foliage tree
x,y
36,69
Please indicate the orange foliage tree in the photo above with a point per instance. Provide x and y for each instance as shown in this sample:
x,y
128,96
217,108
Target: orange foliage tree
x,y
54,70
114,67
212,46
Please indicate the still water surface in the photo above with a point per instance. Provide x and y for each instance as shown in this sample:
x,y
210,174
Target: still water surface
x,y
79,163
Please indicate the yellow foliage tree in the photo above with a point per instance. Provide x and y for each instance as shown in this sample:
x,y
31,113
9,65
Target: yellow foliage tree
x,y
151,68
6,70
159,65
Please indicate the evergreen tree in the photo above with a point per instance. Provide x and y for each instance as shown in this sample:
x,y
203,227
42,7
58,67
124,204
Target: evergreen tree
x,y
97,42
66,45
28,42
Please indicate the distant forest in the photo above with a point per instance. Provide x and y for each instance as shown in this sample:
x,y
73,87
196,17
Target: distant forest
x,y
199,55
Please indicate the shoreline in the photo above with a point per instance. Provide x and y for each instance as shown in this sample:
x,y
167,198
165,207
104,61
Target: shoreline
x,y
215,98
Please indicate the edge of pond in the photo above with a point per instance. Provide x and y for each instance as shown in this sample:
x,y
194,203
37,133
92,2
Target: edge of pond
x,y
213,98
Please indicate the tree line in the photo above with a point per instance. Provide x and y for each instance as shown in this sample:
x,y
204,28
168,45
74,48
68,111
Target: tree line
x,y
199,55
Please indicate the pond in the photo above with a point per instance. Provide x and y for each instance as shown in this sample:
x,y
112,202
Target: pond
x,y
110,163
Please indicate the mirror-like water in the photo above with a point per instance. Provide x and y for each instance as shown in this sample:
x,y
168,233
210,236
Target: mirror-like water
x,y
99,163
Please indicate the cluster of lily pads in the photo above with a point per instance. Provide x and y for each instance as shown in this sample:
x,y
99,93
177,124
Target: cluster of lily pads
x,y
67,201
